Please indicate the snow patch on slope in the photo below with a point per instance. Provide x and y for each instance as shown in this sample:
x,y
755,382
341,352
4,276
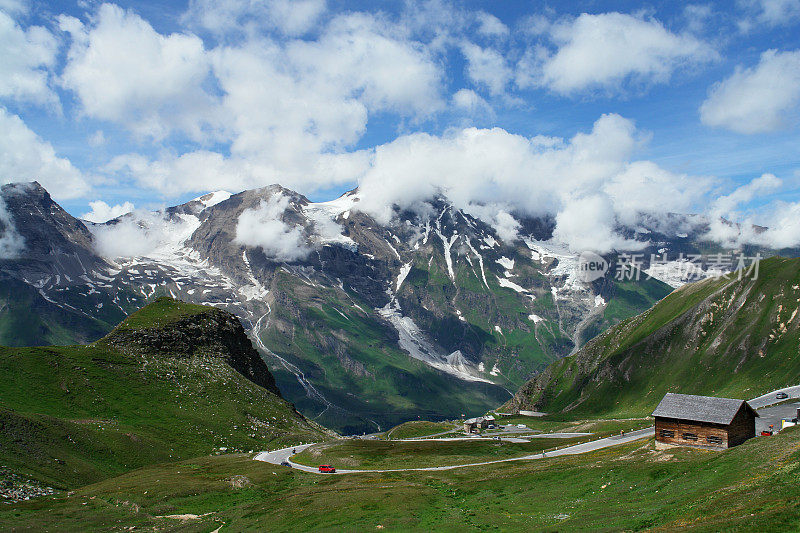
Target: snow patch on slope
x,y
480,262
413,341
535,318
213,198
401,277
504,282
326,229
506,263
677,273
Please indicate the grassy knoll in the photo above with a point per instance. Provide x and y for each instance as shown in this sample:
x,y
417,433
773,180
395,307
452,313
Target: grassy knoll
x,y
72,415
161,312
420,428
378,454
633,487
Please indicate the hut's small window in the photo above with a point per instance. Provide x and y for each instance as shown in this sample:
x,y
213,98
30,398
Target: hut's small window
x,y
667,433
689,436
713,439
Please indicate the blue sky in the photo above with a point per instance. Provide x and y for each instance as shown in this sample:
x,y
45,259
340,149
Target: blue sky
x,y
154,103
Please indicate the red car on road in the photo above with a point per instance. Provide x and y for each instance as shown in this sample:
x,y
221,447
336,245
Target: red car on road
x,y
327,469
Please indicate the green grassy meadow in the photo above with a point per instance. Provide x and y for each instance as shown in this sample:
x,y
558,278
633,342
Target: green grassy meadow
x,y
634,487
380,455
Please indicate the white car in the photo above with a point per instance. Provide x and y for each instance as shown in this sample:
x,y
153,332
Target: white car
x,y
521,426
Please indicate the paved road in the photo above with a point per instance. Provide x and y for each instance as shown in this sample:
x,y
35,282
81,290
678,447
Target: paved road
x,y
510,429
559,435
450,439
769,398
770,415
277,456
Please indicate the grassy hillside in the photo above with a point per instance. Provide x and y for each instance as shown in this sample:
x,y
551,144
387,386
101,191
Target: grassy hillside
x,y
631,488
72,415
161,312
726,337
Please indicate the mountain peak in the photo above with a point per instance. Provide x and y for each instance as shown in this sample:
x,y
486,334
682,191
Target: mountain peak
x,y
25,187
46,228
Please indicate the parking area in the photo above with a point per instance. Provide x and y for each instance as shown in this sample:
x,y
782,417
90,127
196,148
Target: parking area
x,y
774,414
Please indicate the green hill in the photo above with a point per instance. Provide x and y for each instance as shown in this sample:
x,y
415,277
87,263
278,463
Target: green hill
x,y
727,337
172,381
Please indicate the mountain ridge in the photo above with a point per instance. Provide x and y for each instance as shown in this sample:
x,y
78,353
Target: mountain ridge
x,y
431,314
724,337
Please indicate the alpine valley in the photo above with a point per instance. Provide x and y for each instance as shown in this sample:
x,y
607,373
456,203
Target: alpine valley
x,y
363,325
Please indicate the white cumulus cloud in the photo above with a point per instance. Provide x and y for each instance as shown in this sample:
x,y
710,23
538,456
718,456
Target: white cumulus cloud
x,y
729,225
290,17
759,99
293,109
143,233
606,51
470,101
490,25
11,242
487,67
26,57
588,223
123,71
769,13
490,171
24,156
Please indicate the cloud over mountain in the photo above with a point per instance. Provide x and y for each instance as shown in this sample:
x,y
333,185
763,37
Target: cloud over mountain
x,y
26,57
588,182
24,156
264,227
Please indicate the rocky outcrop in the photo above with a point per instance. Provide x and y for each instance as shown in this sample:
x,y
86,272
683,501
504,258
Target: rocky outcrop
x,y
213,333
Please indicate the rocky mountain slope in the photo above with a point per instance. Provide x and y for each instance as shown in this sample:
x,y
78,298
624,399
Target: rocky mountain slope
x,y
44,276
363,324
723,336
173,381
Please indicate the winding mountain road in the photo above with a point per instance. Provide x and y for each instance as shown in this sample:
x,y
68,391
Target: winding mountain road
x,y
771,398
278,456
285,454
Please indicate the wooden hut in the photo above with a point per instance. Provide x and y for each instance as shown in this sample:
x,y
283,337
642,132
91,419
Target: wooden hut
x,y
704,421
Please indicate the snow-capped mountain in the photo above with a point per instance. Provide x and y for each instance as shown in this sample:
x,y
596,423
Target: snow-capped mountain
x,y
363,324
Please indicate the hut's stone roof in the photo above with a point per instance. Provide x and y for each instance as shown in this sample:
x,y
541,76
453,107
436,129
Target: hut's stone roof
x,y
699,408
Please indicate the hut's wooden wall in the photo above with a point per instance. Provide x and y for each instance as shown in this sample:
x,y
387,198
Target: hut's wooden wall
x,y
706,434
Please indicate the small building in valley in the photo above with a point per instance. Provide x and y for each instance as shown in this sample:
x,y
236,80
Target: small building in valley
x,y
704,421
474,425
